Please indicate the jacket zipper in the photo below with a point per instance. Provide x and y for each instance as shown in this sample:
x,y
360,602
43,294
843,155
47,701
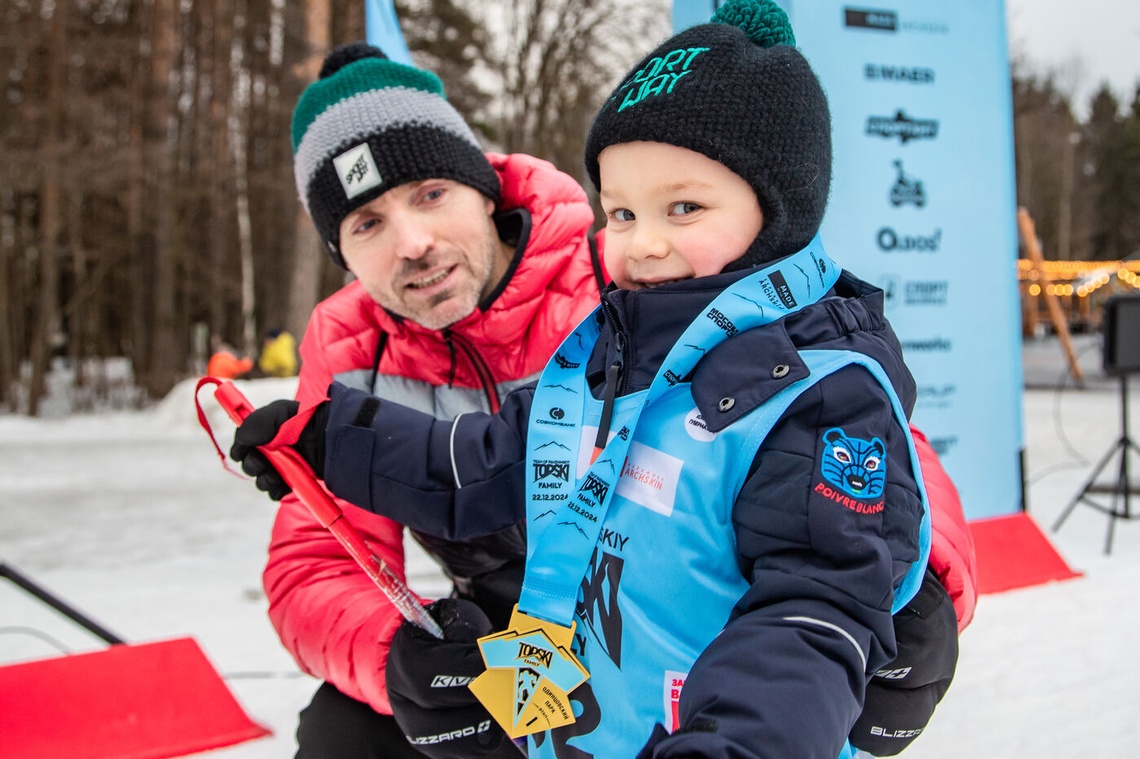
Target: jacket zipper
x,y
486,379
614,377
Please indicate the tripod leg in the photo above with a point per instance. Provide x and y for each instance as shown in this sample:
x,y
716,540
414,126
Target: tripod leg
x,y
1088,484
1112,516
1123,491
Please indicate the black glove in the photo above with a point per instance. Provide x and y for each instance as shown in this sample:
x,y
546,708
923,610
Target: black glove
x,y
261,426
901,697
427,686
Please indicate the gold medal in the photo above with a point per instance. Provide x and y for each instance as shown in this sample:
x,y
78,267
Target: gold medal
x,y
530,674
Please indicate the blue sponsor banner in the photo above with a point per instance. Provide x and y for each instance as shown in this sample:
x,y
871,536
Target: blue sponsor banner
x,y
923,205
383,30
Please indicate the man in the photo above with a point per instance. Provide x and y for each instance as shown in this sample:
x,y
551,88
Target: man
x,y
470,269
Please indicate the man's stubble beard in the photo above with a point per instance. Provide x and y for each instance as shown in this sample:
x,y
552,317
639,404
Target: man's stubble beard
x,y
462,301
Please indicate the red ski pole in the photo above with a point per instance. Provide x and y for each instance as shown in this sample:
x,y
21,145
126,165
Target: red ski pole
x,y
300,477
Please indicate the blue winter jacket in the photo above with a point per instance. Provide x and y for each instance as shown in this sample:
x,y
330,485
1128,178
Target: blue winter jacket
x,y
803,694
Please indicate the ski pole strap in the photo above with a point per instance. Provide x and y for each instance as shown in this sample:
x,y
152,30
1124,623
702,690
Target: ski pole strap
x,y
204,421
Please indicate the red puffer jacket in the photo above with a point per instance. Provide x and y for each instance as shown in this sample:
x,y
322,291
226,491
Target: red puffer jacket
x,y
328,614
951,548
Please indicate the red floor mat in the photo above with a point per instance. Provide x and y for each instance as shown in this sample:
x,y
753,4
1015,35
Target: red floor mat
x,y
1013,553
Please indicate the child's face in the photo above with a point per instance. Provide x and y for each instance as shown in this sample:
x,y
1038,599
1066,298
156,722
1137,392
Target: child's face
x,y
672,214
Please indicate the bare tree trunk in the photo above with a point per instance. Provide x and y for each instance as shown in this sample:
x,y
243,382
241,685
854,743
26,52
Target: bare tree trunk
x,y
8,355
138,343
9,220
47,315
238,125
77,310
308,258
163,366
221,206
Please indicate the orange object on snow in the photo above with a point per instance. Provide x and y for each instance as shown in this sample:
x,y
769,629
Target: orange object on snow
x,y
225,365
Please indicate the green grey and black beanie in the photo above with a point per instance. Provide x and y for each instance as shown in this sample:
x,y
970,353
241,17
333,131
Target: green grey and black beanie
x,y
737,91
369,124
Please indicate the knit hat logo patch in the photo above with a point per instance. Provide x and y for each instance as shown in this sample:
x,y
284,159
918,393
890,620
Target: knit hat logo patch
x,y
357,170
659,76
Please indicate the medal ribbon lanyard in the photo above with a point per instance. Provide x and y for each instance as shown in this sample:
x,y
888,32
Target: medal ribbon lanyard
x,y
565,516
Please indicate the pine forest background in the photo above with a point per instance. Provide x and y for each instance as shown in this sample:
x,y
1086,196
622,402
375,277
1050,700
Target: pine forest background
x,y
146,186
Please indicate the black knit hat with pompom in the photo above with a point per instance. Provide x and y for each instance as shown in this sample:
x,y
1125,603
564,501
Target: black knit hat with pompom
x,y
369,124
737,91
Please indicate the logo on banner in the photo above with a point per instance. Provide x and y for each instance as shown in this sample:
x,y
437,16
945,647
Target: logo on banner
x,y
935,396
918,292
929,345
881,72
927,292
875,20
942,445
902,126
879,20
906,189
891,241
891,286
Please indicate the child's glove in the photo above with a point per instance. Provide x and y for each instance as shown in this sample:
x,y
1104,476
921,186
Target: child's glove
x,y
262,426
901,697
427,686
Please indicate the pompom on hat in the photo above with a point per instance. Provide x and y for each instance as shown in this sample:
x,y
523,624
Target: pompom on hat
x,y
737,91
369,124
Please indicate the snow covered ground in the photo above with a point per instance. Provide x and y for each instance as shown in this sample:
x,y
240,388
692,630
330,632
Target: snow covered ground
x,y
131,518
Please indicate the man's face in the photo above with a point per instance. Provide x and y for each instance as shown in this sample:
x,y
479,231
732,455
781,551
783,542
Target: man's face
x,y
426,250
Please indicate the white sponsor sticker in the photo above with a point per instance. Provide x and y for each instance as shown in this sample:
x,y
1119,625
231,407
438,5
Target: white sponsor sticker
x,y
649,477
696,428
357,170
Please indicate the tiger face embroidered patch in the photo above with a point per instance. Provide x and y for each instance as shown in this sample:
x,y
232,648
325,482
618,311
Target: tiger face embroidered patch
x,y
857,467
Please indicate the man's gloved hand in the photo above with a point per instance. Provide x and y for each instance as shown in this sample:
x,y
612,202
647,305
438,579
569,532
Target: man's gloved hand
x,y
427,686
262,426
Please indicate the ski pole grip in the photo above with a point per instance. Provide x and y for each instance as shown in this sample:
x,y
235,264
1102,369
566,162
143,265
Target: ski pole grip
x,y
293,469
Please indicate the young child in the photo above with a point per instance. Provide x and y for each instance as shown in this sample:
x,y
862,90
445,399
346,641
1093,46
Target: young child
x,y
720,483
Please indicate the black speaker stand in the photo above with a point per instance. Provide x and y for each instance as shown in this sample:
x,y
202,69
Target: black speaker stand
x,y
1121,490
